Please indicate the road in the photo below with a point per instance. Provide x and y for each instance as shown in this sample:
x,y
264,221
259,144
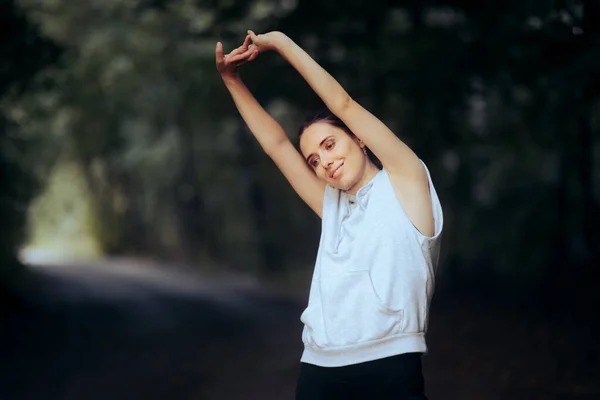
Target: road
x,y
132,330
122,330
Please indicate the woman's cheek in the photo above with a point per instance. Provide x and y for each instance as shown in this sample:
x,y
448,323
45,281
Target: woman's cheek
x,y
321,174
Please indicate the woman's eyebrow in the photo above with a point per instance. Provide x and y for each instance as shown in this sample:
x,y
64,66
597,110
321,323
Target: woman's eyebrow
x,y
323,141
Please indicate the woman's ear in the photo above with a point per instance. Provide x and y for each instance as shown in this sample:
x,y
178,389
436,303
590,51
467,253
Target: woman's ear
x,y
362,145
357,140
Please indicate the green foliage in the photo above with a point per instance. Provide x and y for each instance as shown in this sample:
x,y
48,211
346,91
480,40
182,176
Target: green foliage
x,y
497,99
23,52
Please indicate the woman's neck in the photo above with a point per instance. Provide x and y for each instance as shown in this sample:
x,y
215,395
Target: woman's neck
x,y
369,173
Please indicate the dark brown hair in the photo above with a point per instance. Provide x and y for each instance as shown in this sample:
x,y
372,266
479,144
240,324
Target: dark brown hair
x,y
327,117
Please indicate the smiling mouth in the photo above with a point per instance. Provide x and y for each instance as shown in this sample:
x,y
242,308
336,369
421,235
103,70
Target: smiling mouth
x,y
335,171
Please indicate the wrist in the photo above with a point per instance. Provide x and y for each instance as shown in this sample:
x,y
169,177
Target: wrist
x,y
230,79
282,41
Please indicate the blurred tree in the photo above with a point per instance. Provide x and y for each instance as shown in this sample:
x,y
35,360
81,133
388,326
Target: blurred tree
x,y
497,98
139,110
23,52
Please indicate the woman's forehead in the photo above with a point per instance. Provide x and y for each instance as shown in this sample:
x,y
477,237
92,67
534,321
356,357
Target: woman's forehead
x,y
314,135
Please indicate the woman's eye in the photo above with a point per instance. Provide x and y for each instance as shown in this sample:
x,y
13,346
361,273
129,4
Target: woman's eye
x,y
314,162
330,145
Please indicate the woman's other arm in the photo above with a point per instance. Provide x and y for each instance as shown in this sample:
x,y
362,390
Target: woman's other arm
x,y
267,131
405,169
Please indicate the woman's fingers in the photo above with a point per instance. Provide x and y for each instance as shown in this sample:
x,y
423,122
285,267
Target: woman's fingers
x,y
243,48
241,55
247,41
219,57
253,55
252,35
219,51
232,58
248,59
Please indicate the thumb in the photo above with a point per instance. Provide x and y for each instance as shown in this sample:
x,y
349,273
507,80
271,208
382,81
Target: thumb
x,y
219,50
252,35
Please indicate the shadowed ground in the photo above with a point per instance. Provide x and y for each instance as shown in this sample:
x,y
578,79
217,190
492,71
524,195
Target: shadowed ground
x,y
127,332
122,330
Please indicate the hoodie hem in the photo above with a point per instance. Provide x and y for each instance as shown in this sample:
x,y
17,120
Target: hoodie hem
x,y
363,352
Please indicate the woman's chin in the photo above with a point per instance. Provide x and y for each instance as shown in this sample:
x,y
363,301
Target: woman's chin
x,y
341,185
336,184
343,182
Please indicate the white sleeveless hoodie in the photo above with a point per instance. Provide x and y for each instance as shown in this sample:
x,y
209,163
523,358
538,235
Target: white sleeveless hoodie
x,y
373,278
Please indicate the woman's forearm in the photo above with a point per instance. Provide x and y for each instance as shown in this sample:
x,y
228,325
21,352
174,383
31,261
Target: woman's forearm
x,y
265,128
325,86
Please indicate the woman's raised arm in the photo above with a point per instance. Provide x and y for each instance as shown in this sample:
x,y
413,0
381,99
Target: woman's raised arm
x,y
269,133
396,157
408,176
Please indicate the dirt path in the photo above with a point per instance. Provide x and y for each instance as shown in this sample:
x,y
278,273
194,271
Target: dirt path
x,y
130,331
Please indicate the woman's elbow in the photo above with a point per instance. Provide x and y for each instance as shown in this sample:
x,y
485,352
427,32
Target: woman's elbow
x,y
341,104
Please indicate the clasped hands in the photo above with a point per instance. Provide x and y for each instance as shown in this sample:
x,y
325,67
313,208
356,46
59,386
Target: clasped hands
x,y
253,45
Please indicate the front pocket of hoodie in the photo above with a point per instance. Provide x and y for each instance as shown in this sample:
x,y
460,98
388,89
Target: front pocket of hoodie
x,y
313,333
353,313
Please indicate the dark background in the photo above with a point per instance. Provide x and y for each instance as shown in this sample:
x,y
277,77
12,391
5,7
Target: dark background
x,y
124,164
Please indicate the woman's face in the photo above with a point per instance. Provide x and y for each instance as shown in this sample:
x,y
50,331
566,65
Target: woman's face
x,y
336,157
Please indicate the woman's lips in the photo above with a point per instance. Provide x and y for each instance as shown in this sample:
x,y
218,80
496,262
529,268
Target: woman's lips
x,y
337,172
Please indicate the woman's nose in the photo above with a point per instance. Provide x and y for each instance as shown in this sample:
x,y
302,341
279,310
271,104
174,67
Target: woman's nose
x,y
326,163
326,160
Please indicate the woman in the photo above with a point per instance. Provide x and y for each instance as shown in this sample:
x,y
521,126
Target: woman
x,y
367,314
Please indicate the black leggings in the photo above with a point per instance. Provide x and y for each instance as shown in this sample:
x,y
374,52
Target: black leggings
x,y
393,378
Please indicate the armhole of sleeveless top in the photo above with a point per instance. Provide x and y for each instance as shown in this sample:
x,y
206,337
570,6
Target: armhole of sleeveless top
x,y
436,208
330,196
